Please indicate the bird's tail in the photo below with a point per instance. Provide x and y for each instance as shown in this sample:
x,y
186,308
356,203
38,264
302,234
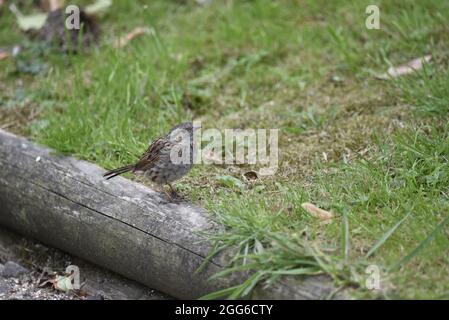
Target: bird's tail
x,y
112,173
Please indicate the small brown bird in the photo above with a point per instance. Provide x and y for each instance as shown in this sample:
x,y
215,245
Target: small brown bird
x,y
163,162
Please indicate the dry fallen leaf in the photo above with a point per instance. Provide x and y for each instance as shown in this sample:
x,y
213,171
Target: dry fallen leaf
x,y
316,212
100,6
61,283
123,41
35,21
251,175
51,5
4,54
407,68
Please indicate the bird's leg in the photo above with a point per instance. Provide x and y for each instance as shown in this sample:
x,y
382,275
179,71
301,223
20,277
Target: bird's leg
x,y
172,195
168,194
175,194
173,191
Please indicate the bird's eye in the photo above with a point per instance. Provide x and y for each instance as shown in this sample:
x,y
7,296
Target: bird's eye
x,y
178,138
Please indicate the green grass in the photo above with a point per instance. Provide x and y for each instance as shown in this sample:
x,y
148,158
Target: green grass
x,y
408,177
374,152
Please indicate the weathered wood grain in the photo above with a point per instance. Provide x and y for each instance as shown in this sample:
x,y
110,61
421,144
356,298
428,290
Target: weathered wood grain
x,y
96,282
118,224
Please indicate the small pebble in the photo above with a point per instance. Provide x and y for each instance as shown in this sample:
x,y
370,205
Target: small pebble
x,y
3,287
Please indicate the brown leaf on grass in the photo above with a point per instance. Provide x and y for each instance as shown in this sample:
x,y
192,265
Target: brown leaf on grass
x,y
4,54
123,41
51,5
251,175
407,68
316,212
26,23
98,7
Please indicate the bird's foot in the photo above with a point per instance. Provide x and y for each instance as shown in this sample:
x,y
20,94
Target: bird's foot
x,y
173,196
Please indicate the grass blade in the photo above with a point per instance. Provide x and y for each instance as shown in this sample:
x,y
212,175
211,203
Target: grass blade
x,y
385,237
345,237
237,268
299,271
246,287
220,293
420,247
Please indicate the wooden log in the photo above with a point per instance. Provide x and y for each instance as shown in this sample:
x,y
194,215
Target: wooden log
x,y
96,282
119,224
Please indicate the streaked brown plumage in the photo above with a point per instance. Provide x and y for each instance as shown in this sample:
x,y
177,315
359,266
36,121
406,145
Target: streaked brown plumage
x,y
156,163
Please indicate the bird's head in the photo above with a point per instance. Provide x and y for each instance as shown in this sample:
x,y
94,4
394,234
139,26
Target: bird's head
x,y
182,132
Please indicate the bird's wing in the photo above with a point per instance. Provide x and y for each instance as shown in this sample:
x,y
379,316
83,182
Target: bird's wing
x,y
151,155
